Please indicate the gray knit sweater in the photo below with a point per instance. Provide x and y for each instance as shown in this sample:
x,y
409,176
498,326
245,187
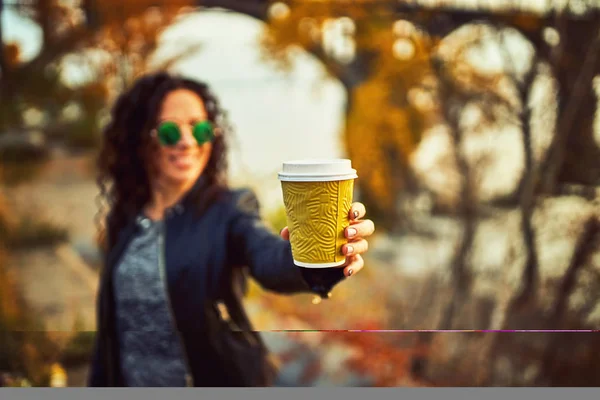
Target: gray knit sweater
x,y
150,349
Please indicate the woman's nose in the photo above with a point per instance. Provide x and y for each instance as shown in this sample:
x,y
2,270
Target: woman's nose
x,y
187,138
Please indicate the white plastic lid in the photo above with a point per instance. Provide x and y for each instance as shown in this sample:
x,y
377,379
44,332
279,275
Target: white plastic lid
x,y
317,170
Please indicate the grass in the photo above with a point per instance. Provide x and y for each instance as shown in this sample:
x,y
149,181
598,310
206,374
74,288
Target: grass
x,y
20,165
79,349
13,174
24,231
81,140
81,135
31,232
26,351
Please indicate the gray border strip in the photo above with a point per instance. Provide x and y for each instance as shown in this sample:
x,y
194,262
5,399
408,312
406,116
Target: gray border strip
x,y
301,393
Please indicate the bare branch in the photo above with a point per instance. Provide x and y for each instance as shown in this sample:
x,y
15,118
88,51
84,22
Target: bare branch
x,y
253,8
3,62
450,98
553,160
181,55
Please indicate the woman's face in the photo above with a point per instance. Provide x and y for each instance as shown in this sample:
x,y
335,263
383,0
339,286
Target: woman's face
x,y
181,164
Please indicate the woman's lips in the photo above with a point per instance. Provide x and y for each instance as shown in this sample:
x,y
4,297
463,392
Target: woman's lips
x,y
182,161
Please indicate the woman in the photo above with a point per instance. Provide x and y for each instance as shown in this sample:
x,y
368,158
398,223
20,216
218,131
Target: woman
x,y
176,239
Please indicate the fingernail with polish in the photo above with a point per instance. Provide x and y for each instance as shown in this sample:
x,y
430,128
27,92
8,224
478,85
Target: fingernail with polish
x,y
351,232
350,272
349,249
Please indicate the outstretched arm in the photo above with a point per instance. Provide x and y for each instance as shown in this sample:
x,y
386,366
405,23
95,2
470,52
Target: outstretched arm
x,y
269,256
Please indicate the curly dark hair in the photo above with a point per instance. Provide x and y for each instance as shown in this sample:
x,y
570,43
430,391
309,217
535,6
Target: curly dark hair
x,y
127,149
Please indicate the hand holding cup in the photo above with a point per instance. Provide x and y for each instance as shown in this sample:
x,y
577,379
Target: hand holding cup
x,y
356,233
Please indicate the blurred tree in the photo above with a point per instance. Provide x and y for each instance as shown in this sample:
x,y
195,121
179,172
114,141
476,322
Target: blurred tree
x,y
370,47
89,51
378,66
575,61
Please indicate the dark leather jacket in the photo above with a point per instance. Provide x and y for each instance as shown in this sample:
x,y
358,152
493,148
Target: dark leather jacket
x,y
199,249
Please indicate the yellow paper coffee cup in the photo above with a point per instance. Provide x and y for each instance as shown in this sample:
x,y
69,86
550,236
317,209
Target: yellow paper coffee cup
x,y
318,196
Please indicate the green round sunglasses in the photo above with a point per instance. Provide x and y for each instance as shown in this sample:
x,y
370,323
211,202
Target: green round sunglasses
x,y
169,132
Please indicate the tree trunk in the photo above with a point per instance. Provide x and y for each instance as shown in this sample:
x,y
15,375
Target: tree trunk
x,y
7,94
574,153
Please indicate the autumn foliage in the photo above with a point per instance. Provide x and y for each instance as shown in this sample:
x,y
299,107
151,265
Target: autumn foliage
x,y
383,123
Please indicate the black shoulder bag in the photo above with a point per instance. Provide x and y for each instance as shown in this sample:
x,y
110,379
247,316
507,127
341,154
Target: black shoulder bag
x,y
241,352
